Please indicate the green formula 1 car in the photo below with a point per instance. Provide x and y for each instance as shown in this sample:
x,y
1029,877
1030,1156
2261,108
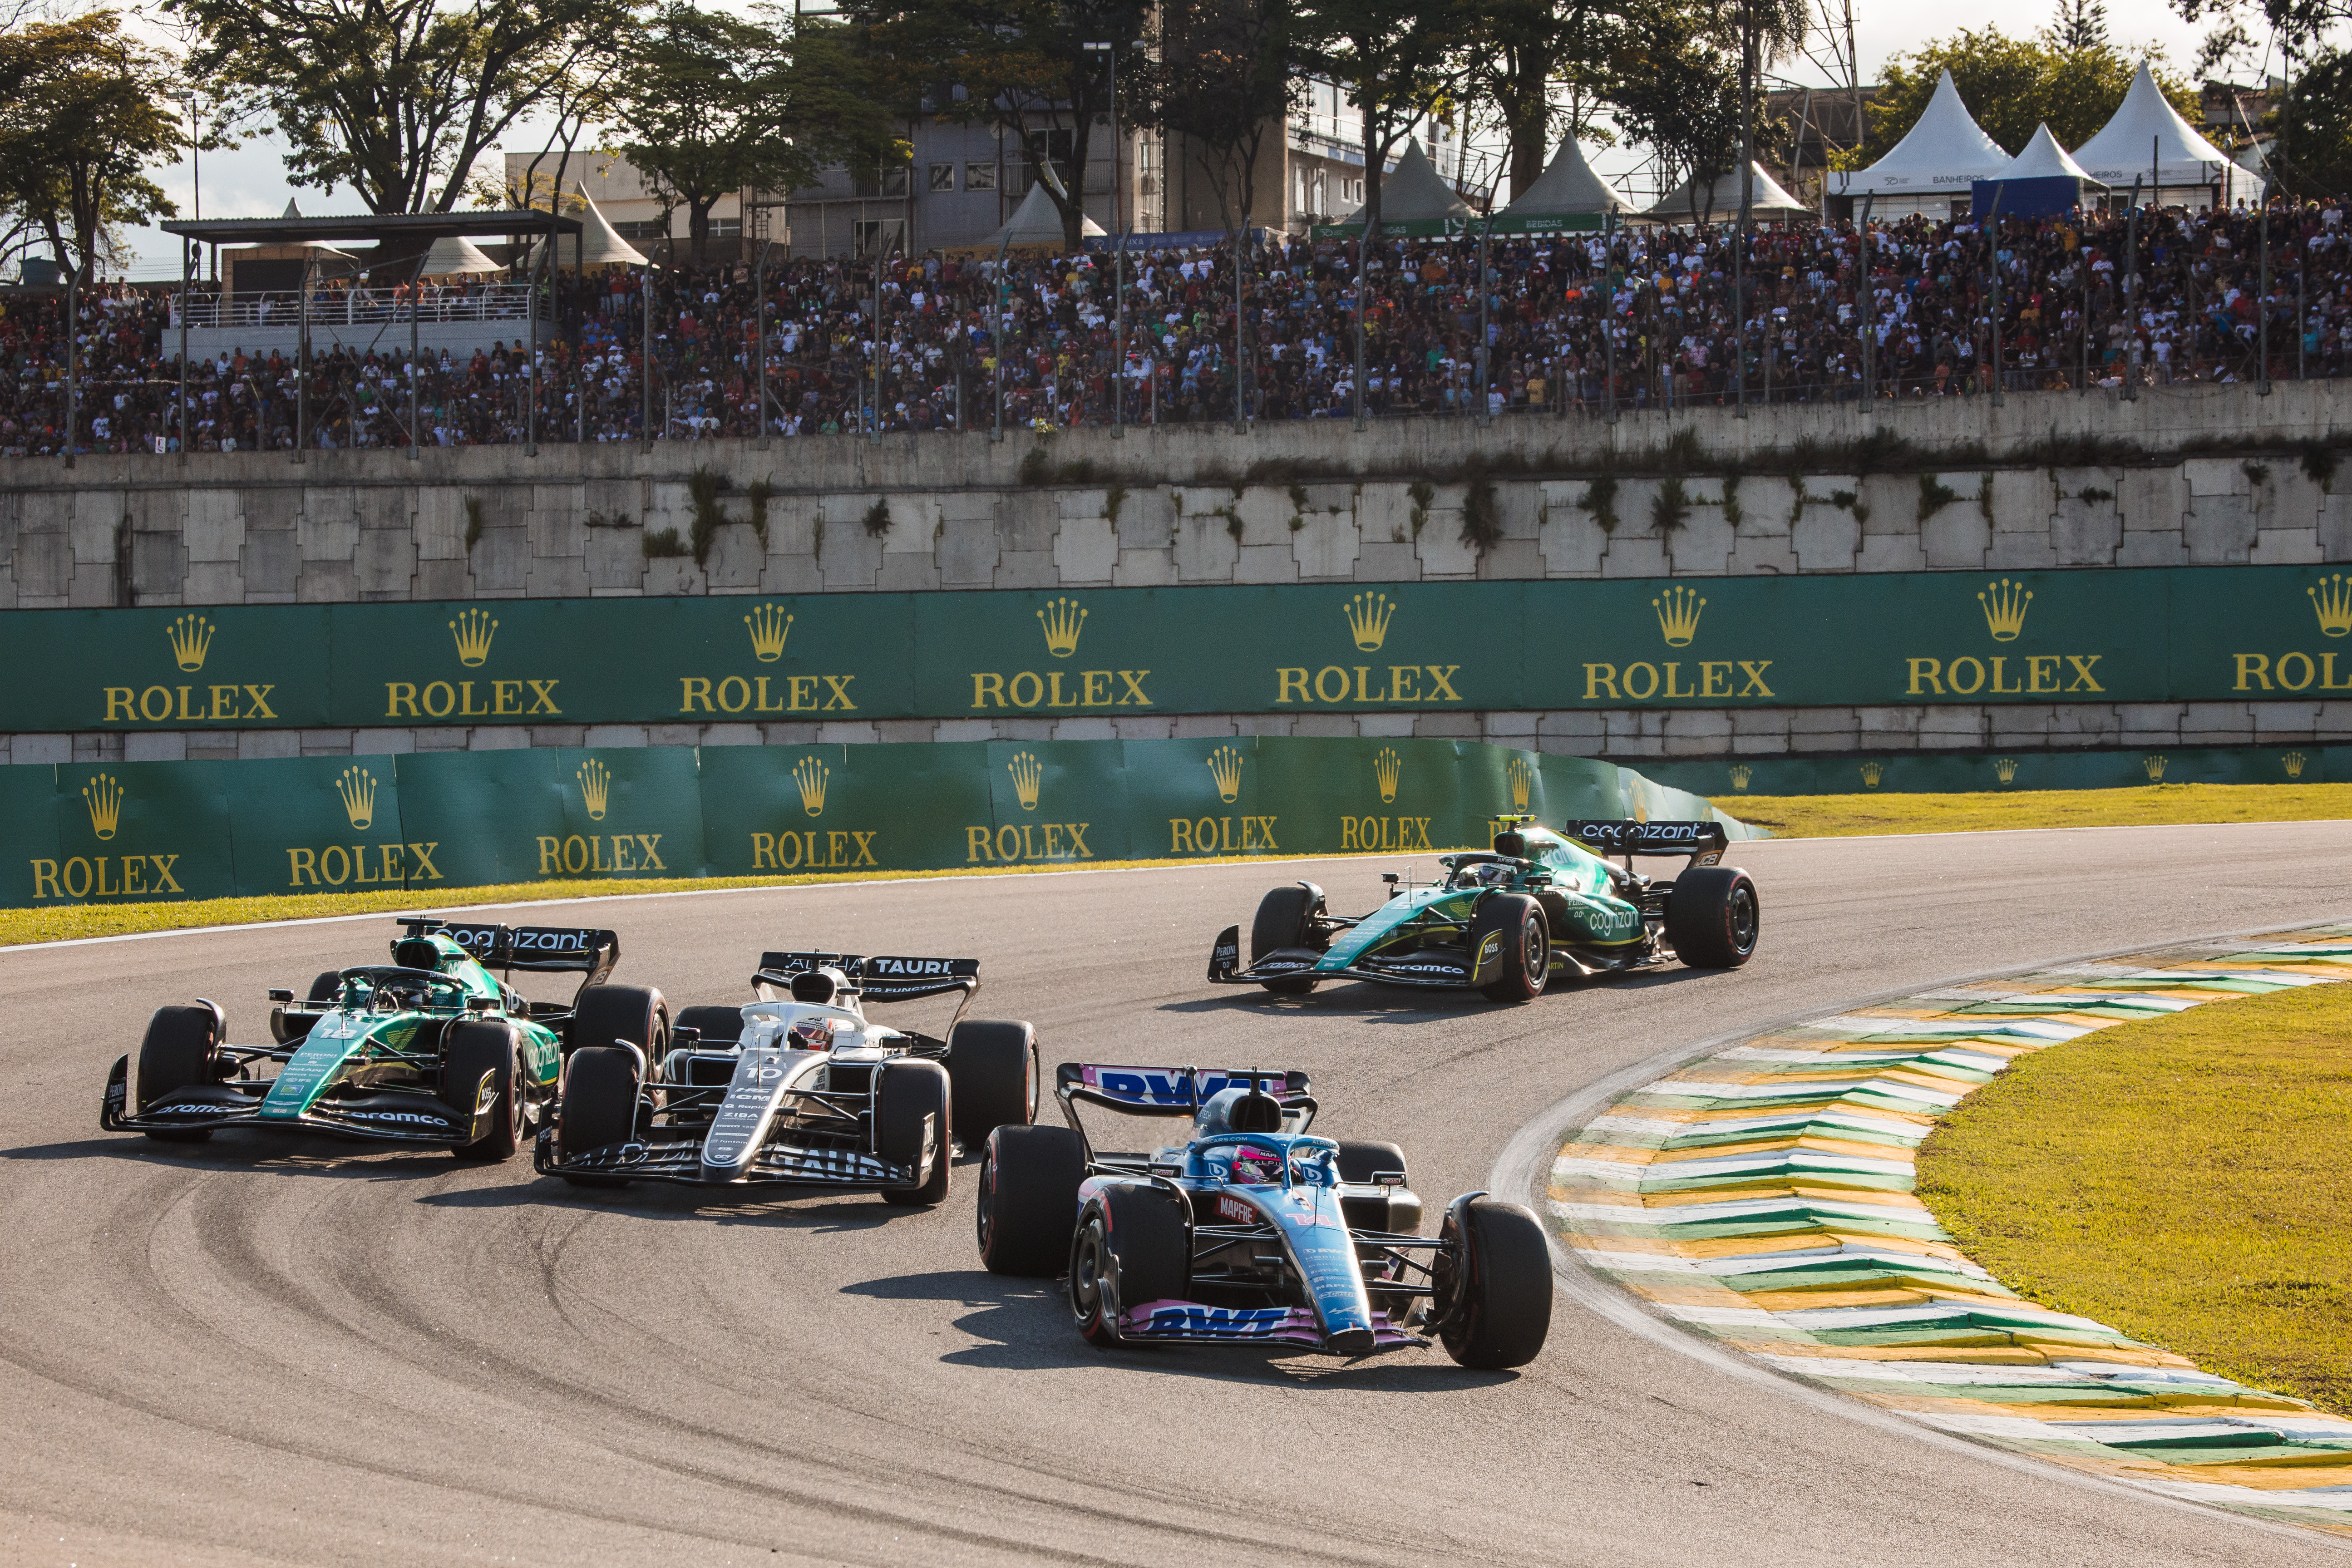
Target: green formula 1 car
x,y
1542,905
432,1048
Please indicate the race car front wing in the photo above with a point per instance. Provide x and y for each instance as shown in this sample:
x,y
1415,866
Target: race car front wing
x,y
1423,968
777,1164
1190,1322
384,1116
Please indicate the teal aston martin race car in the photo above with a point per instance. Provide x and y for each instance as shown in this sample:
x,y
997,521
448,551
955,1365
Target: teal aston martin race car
x,y
1541,906
432,1048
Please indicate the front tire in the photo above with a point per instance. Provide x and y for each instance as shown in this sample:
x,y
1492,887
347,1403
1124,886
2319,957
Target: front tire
x,y
1516,923
177,1053
991,1078
478,1049
718,1026
1713,917
599,1108
1028,1207
1283,920
1494,1285
912,1118
1130,1249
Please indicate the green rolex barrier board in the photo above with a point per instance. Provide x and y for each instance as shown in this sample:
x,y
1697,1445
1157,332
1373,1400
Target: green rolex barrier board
x,y
1930,773
2172,634
426,822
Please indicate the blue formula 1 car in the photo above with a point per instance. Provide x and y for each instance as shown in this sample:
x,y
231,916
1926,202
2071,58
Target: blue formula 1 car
x,y
1542,906
1252,1231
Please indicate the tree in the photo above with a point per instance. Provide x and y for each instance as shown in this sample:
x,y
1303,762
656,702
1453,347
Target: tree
x,y
712,103
1526,52
2311,148
2078,24
1399,61
1225,82
84,110
395,99
2012,85
1678,92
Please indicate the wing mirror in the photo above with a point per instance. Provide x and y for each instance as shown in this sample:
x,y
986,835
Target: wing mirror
x,y
280,994
1389,877
481,1007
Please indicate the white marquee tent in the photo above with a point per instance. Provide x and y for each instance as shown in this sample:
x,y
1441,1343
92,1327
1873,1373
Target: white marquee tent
x,y
598,242
1718,201
2147,141
454,255
1414,192
1567,188
1939,158
1036,221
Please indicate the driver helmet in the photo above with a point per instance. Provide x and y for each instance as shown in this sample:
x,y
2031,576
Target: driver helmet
x,y
1488,874
1256,1167
810,1034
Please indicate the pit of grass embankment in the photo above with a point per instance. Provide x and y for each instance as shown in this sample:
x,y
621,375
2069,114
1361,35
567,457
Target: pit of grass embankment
x,y
2187,1180
1844,816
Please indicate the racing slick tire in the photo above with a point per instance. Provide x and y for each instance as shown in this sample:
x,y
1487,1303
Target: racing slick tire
x,y
327,985
1493,1300
716,1025
1524,961
1281,922
1712,916
176,1052
605,1014
991,1078
1130,1248
476,1048
286,1031
1028,1206
599,1106
907,1093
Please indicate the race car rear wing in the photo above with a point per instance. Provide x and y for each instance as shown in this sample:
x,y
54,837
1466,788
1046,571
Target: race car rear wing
x,y
1168,1091
534,949
1704,842
878,978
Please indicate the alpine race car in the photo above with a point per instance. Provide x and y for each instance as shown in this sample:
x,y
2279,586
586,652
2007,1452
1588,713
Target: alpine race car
x,y
798,1089
1250,1230
431,1048
1542,906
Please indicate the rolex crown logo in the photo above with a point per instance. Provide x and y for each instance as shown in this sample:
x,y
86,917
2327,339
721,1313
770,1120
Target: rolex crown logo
x,y
1871,772
1740,773
1678,612
770,627
1369,615
2004,604
473,630
1225,767
1385,768
103,795
1523,783
2331,597
812,777
2005,769
1026,776
595,788
2293,761
192,639
2153,764
1063,620
357,788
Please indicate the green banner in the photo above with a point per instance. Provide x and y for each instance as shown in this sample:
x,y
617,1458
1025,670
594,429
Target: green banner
x,y
434,820
2173,634
1726,780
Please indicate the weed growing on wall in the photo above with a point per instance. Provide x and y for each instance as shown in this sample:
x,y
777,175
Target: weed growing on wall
x,y
473,523
1036,467
1935,495
1600,499
1481,515
759,492
663,545
1671,507
1422,493
877,520
703,489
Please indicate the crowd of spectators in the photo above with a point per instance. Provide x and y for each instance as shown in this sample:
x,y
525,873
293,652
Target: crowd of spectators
x,y
1568,325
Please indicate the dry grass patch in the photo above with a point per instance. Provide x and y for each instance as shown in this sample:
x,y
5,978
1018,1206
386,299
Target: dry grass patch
x,y
2187,1180
1845,815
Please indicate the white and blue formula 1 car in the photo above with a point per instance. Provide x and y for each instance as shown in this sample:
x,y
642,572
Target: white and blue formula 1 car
x,y
1251,1230
797,1088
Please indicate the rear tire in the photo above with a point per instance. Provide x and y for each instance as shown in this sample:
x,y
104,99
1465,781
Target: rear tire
x,y
177,1053
327,986
605,1014
1526,941
912,1120
991,1078
1282,921
599,1108
718,1026
1493,1288
1129,1251
477,1047
1028,1207
1713,917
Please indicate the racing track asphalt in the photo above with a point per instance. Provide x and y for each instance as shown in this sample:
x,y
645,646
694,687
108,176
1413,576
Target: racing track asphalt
x,y
262,1350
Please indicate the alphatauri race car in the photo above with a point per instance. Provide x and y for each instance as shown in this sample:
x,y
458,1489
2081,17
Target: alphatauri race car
x,y
1542,906
431,1048
1250,1230
798,1089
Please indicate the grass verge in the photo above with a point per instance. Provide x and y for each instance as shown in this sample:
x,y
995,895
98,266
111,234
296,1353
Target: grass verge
x,y
2185,1180
1846,816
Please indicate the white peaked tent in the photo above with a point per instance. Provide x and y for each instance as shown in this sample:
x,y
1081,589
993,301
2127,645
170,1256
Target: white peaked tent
x,y
1036,221
1718,200
2147,141
1939,158
2043,158
1414,192
597,244
454,255
1568,188
2040,182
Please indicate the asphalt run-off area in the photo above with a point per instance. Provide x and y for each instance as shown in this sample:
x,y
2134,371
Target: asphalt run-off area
x,y
300,1352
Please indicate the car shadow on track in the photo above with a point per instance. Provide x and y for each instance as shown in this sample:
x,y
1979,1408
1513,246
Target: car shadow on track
x,y
1363,999
811,1208
275,1155
1023,1325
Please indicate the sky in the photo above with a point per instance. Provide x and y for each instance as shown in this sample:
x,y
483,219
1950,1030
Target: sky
x,y
251,181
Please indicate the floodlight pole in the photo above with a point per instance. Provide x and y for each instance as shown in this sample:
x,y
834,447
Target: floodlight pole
x,y
415,375
2262,298
187,260
996,337
2131,271
73,328
1608,305
759,324
1363,275
1119,286
880,252
1484,401
1992,230
1864,288
645,368
302,359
